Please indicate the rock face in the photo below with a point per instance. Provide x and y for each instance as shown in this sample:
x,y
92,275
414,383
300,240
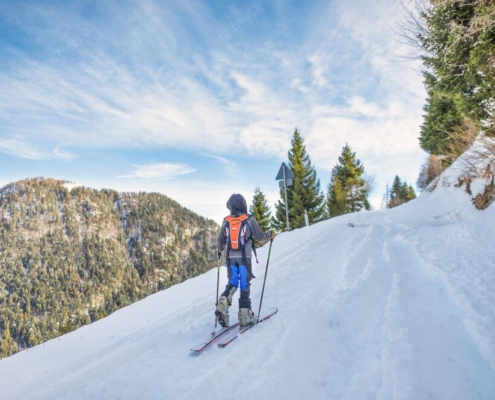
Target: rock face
x,y
70,257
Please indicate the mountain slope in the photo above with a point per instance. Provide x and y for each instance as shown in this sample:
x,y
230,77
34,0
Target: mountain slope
x,y
390,304
70,257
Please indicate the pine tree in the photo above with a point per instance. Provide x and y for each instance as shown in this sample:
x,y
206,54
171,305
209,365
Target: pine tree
x,y
305,192
347,191
336,201
441,119
458,38
395,193
261,210
7,346
400,193
411,194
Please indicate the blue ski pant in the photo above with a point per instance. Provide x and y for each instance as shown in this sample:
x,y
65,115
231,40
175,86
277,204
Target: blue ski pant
x,y
240,276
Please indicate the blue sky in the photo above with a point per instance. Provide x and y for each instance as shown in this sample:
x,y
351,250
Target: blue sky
x,y
198,100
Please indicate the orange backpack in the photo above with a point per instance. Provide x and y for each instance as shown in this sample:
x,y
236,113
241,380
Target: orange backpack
x,y
235,232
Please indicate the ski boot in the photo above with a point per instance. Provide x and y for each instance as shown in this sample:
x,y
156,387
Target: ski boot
x,y
222,311
246,317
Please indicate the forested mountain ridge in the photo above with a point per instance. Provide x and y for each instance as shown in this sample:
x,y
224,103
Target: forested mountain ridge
x,y
70,257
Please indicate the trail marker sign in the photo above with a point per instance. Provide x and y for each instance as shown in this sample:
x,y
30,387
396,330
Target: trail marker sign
x,y
285,177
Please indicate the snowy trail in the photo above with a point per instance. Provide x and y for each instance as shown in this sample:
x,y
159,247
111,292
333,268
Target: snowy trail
x,y
395,304
414,369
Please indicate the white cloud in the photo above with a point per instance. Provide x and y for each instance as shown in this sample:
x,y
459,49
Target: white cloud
x,y
254,90
358,105
267,137
230,166
375,31
319,68
21,149
389,137
61,153
299,85
159,171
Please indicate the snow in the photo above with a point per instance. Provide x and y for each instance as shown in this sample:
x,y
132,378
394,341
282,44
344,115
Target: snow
x,y
389,304
70,185
7,190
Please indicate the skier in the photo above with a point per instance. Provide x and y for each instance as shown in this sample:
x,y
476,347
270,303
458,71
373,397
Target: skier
x,y
236,233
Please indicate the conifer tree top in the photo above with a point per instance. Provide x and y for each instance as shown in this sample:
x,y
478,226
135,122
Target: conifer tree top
x,y
305,192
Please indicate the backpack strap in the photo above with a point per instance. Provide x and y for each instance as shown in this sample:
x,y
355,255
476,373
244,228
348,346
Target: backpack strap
x,y
254,251
226,228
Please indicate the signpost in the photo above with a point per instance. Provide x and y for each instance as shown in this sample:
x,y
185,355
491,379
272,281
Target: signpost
x,y
285,177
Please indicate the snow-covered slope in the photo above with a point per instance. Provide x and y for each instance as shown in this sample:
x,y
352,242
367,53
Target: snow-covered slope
x,y
390,304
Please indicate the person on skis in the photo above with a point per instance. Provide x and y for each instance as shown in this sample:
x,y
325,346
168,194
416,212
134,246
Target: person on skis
x,y
236,236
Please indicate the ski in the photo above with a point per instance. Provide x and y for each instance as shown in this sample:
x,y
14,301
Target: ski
x,y
203,346
271,313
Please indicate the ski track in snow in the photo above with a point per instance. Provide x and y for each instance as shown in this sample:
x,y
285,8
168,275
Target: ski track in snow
x,y
394,304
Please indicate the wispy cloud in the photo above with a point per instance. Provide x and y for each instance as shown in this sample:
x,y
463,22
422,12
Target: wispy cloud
x,y
159,171
318,65
230,166
21,149
61,153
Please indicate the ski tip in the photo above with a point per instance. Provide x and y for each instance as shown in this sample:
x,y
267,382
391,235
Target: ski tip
x,y
271,311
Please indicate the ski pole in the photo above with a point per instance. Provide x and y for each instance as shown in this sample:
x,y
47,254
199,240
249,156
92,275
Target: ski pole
x,y
264,280
218,283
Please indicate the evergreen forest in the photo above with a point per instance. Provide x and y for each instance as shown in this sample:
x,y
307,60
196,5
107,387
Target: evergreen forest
x,y
71,257
400,193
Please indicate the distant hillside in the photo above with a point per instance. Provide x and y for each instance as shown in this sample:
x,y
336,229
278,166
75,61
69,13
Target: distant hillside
x,y
68,258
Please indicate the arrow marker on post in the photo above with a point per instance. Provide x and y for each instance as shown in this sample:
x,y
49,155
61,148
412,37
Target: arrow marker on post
x,y
285,177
